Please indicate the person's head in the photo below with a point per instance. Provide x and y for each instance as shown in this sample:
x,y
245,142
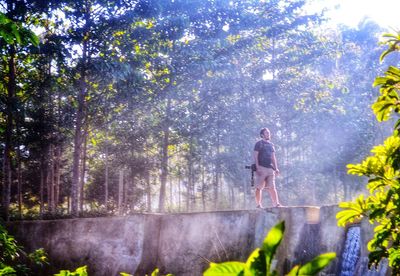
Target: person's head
x,y
265,133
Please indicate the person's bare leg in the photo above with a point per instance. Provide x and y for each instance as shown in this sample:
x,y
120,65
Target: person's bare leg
x,y
274,196
258,197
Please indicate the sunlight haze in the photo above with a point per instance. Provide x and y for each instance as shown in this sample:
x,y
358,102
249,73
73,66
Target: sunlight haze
x,y
351,12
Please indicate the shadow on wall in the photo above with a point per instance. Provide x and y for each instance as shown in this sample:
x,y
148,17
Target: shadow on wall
x,y
309,247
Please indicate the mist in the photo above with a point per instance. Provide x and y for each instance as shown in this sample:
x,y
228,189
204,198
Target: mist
x,y
160,108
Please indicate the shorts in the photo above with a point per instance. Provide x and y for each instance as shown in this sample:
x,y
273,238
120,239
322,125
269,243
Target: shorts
x,y
266,179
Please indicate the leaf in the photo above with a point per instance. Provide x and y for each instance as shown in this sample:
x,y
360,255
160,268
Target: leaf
x,y
226,269
294,271
397,125
93,141
392,47
394,257
256,263
355,210
7,270
80,271
317,264
272,241
3,18
34,39
15,32
382,110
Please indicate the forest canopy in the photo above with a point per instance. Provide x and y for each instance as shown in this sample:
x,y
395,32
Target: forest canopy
x,y
114,107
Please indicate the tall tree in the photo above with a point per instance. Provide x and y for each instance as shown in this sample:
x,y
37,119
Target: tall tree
x,y
14,36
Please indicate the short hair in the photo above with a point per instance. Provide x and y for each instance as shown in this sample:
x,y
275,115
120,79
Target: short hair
x,y
262,131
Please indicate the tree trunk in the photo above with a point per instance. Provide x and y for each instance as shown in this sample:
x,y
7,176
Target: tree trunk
x,y
203,188
245,192
148,191
19,170
57,153
217,174
232,196
164,157
120,191
171,199
189,189
106,175
50,179
80,117
19,184
133,189
42,184
83,170
124,192
164,170
77,151
57,172
7,173
179,189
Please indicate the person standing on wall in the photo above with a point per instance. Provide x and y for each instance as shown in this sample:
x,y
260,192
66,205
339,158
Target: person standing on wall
x,y
267,168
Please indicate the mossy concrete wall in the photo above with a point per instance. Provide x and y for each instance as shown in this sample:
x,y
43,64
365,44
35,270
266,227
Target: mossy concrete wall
x,y
181,244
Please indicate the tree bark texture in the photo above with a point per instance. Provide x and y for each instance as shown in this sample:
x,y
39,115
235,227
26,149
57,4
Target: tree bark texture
x,y
120,191
83,169
164,157
7,170
77,151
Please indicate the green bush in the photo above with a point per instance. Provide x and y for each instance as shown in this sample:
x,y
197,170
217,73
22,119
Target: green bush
x,y
382,206
13,260
80,271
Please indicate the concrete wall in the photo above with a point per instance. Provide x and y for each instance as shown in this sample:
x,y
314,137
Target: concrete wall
x,y
181,244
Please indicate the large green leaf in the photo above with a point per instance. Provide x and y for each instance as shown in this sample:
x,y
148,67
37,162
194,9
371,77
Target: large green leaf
x,y
7,270
272,241
15,33
294,271
317,264
225,269
353,210
255,264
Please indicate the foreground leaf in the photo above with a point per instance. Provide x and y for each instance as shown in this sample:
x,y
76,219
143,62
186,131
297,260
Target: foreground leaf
x,y
272,241
226,269
317,264
256,263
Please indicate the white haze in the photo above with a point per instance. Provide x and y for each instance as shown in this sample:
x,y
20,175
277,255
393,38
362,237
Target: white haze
x,y
351,12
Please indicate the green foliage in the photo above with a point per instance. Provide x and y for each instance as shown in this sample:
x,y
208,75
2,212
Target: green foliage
x,y
271,243
157,66
259,262
7,270
382,205
392,40
39,257
13,33
314,266
11,254
355,210
80,271
389,101
154,273
8,245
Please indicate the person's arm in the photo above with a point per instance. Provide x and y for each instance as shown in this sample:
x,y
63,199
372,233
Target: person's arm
x,y
274,163
255,155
